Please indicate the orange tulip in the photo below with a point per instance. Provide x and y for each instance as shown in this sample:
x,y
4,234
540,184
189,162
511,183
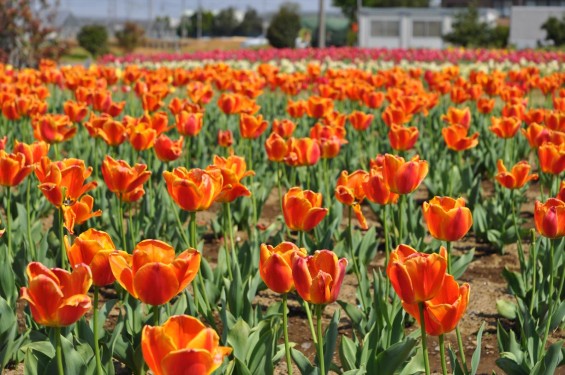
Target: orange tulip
x,y
302,152
402,138
552,158
53,128
549,218
233,169
319,107
63,182
376,189
93,248
395,115
455,116
276,147
456,139
537,135
330,147
275,265
349,191
56,297
251,127
114,133
75,111
195,189
403,177
182,344
79,212
152,274
142,137
13,168
189,124
505,127
167,149
485,105
517,177
230,103
555,121
443,312
33,152
284,128
302,209
448,219
416,277
360,121
225,138
318,277
373,99
296,109
125,181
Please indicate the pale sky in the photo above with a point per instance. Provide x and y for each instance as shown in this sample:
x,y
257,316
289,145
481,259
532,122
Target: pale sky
x,y
173,8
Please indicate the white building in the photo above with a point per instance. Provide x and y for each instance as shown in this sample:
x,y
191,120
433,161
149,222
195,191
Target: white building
x,y
526,22
410,27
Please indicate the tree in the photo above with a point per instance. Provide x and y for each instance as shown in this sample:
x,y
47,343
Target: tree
x,y
94,39
555,30
349,7
26,35
225,22
130,37
469,31
188,26
284,27
251,25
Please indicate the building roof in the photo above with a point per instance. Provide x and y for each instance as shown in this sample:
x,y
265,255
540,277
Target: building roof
x,y
431,11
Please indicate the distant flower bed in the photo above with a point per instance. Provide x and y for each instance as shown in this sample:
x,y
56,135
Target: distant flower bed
x,y
452,55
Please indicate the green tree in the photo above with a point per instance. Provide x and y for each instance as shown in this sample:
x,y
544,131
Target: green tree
x,y
251,25
130,37
349,7
284,27
468,30
225,22
188,26
25,32
555,30
94,39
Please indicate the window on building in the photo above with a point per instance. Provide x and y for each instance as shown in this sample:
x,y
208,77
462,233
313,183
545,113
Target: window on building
x,y
385,28
426,29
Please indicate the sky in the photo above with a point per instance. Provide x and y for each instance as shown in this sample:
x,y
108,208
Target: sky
x,y
173,8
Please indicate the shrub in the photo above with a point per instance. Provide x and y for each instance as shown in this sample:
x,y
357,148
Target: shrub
x,y
555,30
94,39
130,37
469,31
284,27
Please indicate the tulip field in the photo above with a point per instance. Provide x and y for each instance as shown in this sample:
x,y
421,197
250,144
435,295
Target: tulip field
x,y
339,211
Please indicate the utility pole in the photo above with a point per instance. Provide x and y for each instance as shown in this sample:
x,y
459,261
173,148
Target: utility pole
x,y
321,26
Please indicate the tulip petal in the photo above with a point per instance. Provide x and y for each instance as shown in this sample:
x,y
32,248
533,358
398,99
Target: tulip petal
x,y
188,362
155,283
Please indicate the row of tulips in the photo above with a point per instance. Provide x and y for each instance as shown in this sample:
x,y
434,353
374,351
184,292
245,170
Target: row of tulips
x,y
319,119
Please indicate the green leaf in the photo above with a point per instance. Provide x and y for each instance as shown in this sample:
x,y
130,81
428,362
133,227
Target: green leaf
x,y
459,266
476,359
330,339
238,339
303,364
506,308
347,353
390,360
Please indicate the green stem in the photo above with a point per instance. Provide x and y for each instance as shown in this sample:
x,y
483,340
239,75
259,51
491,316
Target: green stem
x,y
156,315
179,224
187,152
56,148
461,350
517,229
226,229
95,329
321,361
534,264
400,221
424,339
285,331
448,247
354,259
9,222
279,188
550,295
232,241
61,241
28,209
442,355
121,224
58,351
310,321
130,227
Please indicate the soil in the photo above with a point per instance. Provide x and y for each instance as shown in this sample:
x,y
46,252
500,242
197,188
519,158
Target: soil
x,y
484,276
